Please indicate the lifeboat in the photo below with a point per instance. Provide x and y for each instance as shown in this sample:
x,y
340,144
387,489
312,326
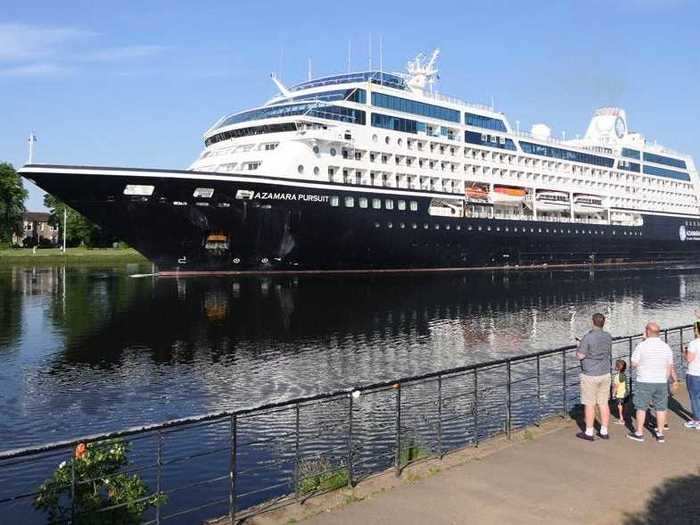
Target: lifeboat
x,y
588,204
476,193
552,201
506,196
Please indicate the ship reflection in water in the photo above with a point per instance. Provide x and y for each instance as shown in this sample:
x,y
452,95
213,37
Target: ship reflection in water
x,y
88,349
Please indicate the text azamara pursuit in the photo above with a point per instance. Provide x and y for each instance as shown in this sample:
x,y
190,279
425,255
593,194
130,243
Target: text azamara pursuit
x,y
371,170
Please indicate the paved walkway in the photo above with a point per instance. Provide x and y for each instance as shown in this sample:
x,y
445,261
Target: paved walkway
x,y
554,478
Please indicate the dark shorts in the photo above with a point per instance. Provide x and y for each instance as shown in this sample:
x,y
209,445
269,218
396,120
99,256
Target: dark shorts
x,y
619,400
647,393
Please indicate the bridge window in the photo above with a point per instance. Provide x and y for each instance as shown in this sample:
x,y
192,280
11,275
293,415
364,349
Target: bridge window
x,y
496,124
417,108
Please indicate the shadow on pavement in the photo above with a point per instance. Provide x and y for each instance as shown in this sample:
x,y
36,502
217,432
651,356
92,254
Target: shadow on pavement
x,y
674,502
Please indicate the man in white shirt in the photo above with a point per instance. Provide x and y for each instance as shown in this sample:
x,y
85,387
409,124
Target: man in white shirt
x,y
692,377
653,360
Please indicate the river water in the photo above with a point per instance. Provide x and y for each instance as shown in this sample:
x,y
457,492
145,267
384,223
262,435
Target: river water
x,y
87,348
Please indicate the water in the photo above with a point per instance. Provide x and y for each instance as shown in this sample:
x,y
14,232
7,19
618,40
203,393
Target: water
x,y
86,348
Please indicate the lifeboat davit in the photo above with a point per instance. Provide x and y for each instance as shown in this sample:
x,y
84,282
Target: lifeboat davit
x,y
506,196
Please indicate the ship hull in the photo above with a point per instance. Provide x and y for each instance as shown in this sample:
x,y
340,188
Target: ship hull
x,y
258,224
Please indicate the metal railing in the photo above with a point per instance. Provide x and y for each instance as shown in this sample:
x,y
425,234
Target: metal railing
x,y
238,463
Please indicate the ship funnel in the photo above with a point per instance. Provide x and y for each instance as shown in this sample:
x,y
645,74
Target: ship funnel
x,y
608,126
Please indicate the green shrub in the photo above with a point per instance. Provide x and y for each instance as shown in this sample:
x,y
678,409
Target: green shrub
x,y
318,475
100,483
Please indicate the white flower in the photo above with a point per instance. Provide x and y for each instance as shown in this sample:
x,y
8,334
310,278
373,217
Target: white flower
x,y
62,464
106,482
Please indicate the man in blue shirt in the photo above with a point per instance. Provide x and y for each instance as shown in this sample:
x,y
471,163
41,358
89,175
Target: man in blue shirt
x,y
594,352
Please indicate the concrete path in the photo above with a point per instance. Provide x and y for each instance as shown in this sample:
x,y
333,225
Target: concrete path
x,y
555,478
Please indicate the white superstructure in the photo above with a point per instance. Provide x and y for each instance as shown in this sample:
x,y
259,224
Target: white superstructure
x,y
394,131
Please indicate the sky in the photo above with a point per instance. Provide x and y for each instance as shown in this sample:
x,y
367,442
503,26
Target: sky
x,y
137,83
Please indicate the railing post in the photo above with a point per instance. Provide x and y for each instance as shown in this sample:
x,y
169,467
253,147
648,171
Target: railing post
x,y
350,406
159,463
629,340
565,401
439,407
397,386
666,336
539,391
476,407
296,451
72,489
232,469
509,412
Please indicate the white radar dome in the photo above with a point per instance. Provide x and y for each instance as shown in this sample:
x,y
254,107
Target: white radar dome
x,y
541,131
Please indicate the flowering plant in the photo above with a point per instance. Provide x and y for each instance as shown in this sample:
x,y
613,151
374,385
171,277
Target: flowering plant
x,y
103,492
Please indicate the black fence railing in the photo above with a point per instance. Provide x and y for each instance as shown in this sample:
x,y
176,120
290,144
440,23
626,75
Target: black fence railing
x,y
242,462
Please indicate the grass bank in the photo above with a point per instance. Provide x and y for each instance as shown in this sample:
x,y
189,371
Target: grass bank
x,y
15,255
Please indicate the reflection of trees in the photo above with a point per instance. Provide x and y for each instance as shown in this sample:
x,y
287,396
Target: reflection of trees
x,y
10,309
674,502
174,319
87,297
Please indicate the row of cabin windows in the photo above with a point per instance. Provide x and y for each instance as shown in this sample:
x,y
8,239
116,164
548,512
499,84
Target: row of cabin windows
x,y
364,202
507,229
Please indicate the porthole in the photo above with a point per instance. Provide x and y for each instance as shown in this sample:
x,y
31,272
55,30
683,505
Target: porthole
x,y
498,228
402,225
414,226
469,228
335,201
389,225
539,230
300,168
316,170
264,260
448,227
507,229
387,140
376,225
374,138
333,152
316,150
236,260
399,142
480,228
437,226
425,226
515,230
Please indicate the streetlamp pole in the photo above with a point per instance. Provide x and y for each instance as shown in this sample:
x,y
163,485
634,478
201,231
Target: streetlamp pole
x,y
31,140
65,223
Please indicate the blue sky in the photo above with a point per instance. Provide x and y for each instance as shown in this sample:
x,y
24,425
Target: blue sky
x,y
137,83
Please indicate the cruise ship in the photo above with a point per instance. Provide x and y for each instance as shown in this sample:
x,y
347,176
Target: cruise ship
x,y
378,171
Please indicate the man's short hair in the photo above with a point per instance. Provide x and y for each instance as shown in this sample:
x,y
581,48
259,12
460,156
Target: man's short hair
x,y
598,320
653,328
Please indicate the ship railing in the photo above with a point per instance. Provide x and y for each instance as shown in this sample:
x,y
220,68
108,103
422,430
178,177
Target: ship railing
x,y
237,463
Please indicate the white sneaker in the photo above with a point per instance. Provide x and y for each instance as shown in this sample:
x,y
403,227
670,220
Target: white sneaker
x,y
692,424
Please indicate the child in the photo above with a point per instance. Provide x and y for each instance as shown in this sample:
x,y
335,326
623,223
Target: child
x,y
619,388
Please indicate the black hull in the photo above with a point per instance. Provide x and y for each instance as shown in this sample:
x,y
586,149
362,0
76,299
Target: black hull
x,y
282,225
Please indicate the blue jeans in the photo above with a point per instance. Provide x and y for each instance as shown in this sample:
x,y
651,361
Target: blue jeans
x,y
693,383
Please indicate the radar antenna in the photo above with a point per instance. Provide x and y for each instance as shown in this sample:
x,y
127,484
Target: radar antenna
x,y
422,74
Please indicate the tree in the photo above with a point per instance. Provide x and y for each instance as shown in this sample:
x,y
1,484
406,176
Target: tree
x,y
79,231
12,197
